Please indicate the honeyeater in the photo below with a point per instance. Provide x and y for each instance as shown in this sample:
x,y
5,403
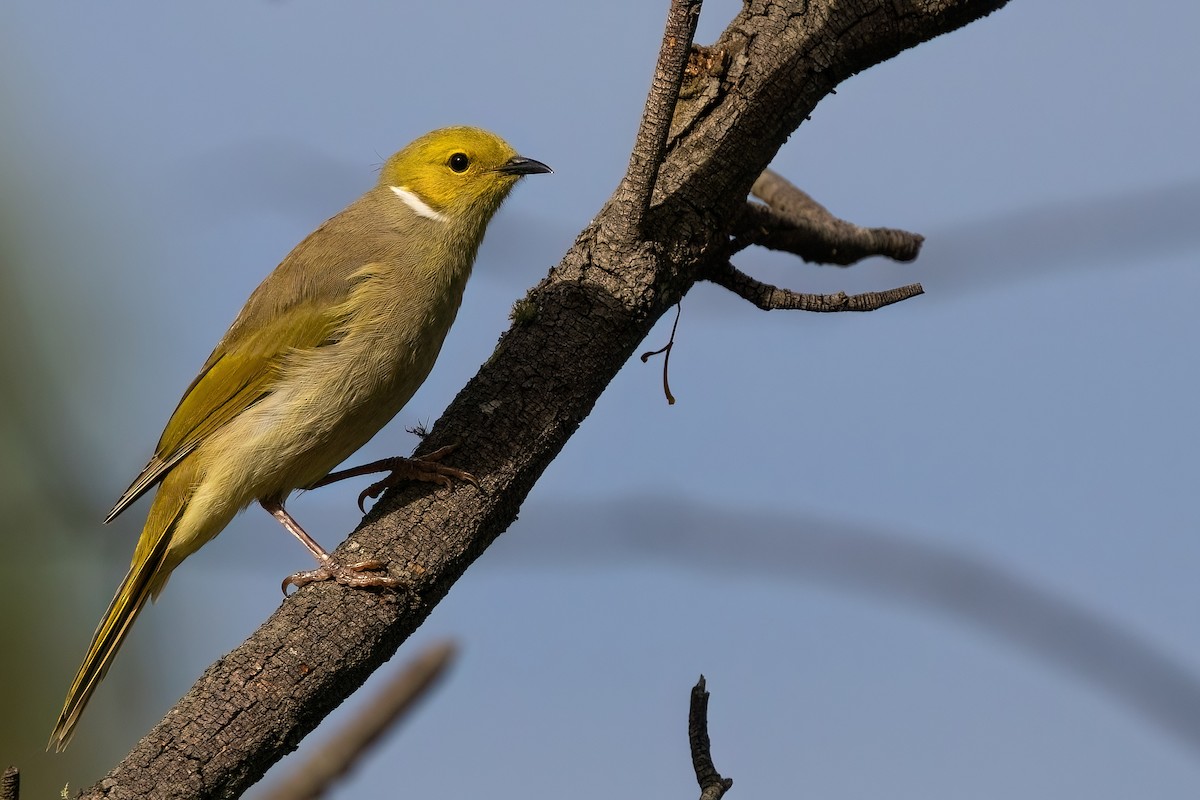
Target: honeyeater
x,y
327,349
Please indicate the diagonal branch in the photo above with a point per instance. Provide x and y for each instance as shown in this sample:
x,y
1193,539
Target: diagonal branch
x,y
335,757
793,222
584,321
772,298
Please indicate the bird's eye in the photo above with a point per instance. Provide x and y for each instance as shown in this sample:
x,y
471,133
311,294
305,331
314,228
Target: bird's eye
x,y
459,162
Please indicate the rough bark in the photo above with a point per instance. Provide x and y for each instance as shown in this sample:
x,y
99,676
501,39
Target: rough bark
x,y
740,100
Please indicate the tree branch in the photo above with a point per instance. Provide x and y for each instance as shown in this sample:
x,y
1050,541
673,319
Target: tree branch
x,y
651,142
585,319
712,785
336,756
793,222
771,298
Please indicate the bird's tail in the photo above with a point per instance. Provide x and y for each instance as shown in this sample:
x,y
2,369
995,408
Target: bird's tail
x,y
145,577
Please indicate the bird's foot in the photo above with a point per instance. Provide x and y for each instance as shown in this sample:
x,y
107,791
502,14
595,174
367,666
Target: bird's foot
x,y
354,575
426,469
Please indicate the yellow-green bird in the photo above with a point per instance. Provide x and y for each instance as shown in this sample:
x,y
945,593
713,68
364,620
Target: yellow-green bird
x,y
325,352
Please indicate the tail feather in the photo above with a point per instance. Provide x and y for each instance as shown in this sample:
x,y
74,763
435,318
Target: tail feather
x,y
143,579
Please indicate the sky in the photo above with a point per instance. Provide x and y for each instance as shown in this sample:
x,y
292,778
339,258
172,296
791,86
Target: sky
x,y
944,549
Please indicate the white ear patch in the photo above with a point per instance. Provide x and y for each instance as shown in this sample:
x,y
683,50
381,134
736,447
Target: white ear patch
x,y
419,206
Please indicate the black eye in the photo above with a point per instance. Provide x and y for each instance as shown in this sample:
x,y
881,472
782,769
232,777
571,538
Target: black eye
x,y
459,162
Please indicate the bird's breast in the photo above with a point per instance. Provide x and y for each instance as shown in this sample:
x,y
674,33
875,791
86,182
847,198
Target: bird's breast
x,y
330,400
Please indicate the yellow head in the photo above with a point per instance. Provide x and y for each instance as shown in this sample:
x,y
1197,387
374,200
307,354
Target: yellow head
x,y
458,172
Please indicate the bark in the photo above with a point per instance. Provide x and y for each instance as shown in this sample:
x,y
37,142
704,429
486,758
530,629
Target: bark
x,y
740,99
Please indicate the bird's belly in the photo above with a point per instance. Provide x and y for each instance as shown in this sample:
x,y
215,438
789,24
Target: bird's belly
x,y
324,407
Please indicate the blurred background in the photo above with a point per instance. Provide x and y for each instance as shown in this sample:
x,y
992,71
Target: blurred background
x,y
944,549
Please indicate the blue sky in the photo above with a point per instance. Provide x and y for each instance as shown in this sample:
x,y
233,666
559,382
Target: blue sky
x,y
1034,411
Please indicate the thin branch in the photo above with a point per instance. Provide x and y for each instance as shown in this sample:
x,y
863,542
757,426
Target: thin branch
x,y
339,754
771,298
666,349
652,133
793,222
712,785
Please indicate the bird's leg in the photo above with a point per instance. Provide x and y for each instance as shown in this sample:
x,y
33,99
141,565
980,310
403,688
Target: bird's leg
x,y
427,469
331,568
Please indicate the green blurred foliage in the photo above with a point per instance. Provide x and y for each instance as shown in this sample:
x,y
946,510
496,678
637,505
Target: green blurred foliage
x,y
50,495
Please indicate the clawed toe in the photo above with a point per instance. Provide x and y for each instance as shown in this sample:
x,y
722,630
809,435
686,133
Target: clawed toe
x,y
416,470
354,575
426,469
373,491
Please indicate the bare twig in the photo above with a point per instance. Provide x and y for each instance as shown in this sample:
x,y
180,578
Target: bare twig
x,y
712,785
666,358
336,756
771,298
651,140
795,223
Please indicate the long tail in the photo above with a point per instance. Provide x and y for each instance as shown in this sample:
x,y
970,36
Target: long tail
x,y
143,579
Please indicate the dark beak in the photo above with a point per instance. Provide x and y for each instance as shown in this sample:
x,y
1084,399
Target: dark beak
x,y
519,165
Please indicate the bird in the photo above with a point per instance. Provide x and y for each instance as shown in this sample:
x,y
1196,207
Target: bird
x,y
328,348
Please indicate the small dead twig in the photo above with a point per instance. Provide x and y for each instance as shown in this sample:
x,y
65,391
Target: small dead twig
x,y
793,222
334,758
770,298
712,785
666,358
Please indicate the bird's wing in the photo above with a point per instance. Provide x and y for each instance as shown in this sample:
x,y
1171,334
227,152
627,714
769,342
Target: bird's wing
x,y
297,307
240,372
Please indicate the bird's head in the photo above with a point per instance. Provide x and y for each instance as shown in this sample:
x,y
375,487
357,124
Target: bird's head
x,y
456,173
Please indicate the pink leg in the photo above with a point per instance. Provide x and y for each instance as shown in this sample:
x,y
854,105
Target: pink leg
x,y
330,567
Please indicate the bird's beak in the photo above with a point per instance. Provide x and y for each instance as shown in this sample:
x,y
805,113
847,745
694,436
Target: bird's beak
x,y
519,165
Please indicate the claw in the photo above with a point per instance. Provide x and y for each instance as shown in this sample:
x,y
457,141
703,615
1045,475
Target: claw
x,y
345,574
426,469
373,491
